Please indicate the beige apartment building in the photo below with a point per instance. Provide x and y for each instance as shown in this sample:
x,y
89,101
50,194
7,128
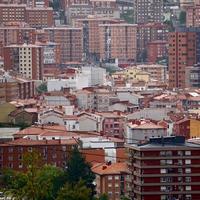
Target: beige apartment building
x,y
26,59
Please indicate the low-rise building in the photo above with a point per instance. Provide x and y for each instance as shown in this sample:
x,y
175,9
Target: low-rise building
x,y
112,179
137,131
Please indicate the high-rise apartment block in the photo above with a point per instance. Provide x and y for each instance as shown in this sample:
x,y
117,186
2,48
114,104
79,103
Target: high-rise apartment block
x,y
165,169
193,15
26,59
184,48
90,26
118,41
70,41
36,17
148,33
148,11
16,35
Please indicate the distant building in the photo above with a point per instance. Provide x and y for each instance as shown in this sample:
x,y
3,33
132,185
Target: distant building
x,y
118,42
12,88
70,41
186,41
140,130
36,17
148,11
26,59
156,50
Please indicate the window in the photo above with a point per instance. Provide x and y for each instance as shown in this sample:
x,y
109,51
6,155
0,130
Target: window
x,y
20,165
188,153
30,149
187,188
10,149
163,171
116,185
109,177
116,177
187,179
187,162
187,170
163,188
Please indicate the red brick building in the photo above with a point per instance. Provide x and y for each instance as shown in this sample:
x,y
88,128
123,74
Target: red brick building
x,y
183,48
70,41
55,152
165,168
24,59
36,17
16,34
112,179
156,50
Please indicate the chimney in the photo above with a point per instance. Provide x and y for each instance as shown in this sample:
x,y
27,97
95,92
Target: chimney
x,y
104,167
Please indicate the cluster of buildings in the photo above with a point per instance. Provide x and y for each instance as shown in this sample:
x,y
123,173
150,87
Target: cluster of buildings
x,y
124,90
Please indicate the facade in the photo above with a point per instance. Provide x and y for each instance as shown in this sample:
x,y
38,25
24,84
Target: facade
x,y
189,128
16,35
156,50
55,152
118,42
164,168
193,76
70,41
26,59
147,33
141,130
15,88
156,71
183,51
112,179
39,17
192,16
36,17
91,40
148,11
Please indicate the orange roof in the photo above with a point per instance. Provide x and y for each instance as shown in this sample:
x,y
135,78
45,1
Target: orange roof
x,y
28,142
38,130
114,168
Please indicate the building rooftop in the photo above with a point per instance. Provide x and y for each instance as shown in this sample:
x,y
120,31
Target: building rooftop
x,y
111,168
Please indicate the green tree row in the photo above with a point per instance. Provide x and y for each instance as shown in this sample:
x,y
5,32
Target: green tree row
x,y
47,182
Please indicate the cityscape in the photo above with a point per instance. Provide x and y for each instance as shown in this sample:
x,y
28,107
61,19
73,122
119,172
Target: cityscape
x,y
99,99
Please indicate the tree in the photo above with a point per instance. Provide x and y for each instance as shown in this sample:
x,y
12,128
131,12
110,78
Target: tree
x,y
103,197
39,182
74,192
42,88
182,17
78,169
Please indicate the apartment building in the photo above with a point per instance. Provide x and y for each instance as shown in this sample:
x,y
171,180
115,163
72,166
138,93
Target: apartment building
x,y
147,33
165,168
70,41
54,152
118,42
12,88
156,50
112,179
91,34
193,16
36,17
26,59
39,17
15,34
148,11
183,51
